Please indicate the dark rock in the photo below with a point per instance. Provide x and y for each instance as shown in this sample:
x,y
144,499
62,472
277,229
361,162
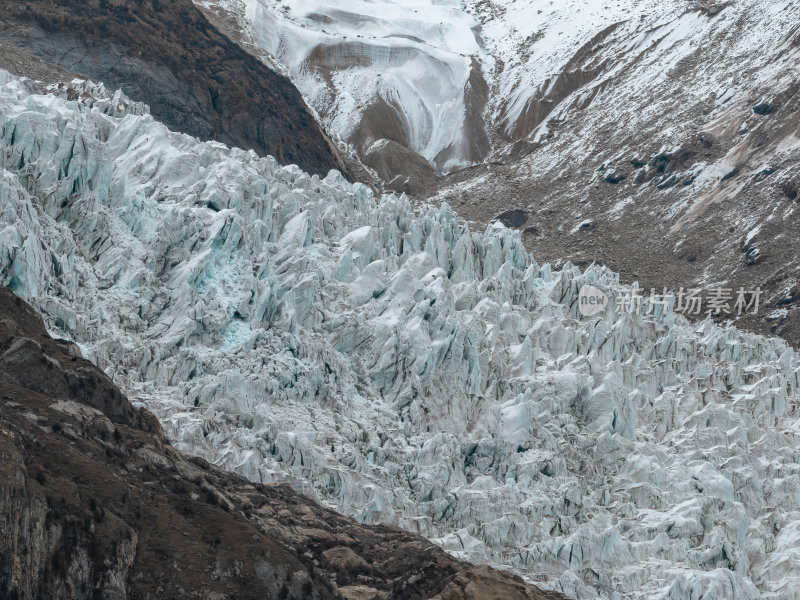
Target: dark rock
x,y
790,189
669,162
637,164
532,230
765,108
660,162
513,218
731,174
614,177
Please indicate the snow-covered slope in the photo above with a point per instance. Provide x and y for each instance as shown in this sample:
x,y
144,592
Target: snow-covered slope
x,y
406,72
453,80
400,367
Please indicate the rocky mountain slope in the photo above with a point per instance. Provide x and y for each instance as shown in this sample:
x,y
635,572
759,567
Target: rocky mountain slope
x,y
95,504
165,53
399,367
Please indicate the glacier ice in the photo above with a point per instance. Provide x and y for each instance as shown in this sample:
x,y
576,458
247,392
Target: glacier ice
x,y
398,366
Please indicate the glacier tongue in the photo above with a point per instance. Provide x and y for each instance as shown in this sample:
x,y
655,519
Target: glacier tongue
x,y
399,367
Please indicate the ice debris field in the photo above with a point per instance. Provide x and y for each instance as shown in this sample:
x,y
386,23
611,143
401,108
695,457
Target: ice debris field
x,y
399,367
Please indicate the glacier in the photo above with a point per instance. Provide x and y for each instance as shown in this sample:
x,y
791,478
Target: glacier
x,y
399,367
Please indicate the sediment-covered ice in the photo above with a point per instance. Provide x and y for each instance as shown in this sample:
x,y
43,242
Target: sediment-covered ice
x,y
409,72
400,367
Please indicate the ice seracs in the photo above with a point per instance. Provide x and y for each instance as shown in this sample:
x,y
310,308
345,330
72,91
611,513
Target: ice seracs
x,y
400,367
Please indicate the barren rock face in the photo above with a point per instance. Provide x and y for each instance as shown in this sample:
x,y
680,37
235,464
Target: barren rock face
x,y
402,169
400,367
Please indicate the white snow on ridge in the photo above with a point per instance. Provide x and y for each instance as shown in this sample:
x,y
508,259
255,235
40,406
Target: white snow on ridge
x,y
624,60
399,367
535,40
415,56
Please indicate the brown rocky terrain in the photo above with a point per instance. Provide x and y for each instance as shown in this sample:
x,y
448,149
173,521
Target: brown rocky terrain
x,y
19,62
95,503
167,54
